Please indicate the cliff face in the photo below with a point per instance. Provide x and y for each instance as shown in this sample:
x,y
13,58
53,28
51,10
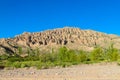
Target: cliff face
x,y
73,38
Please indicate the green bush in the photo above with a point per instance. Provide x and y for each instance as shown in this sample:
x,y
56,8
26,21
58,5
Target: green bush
x,y
23,65
118,61
65,57
112,54
31,58
96,54
47,57
7,64
4,57
62,53
15,58
82,56
71,56
20,51
16,65
66,64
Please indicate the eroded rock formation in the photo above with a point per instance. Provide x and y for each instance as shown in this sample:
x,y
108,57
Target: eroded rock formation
x,y
73,38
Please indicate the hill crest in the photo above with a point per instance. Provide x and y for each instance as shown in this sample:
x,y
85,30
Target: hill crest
x,y
73,38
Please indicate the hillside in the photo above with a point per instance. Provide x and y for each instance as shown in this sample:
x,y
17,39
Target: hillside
x,y
73,38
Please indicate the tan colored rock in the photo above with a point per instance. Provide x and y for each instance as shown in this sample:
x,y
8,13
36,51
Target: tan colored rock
x,y
73,38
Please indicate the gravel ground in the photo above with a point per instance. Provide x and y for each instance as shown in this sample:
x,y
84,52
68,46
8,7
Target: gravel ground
x,y
99,71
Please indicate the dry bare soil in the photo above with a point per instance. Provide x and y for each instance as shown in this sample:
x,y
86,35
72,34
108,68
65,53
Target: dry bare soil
x,y
99,71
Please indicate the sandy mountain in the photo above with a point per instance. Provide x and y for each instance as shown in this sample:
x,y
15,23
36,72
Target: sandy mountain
x,y
73,38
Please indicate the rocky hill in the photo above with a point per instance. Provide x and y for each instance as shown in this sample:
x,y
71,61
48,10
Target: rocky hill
x,y
73,38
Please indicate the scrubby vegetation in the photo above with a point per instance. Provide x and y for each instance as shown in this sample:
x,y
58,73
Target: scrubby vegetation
x,y
62,58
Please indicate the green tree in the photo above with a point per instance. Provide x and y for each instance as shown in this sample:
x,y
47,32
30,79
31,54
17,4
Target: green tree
x,y
20,51
71,56
82,56
112,53
66,55
96,54
62,53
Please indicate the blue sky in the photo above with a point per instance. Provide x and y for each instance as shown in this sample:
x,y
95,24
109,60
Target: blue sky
x,y
18,16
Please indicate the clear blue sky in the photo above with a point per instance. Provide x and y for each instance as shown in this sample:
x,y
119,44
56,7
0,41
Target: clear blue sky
x,y
17,16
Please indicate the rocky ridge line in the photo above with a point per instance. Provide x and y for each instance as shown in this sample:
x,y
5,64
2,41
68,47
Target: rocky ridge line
x,y
73,38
